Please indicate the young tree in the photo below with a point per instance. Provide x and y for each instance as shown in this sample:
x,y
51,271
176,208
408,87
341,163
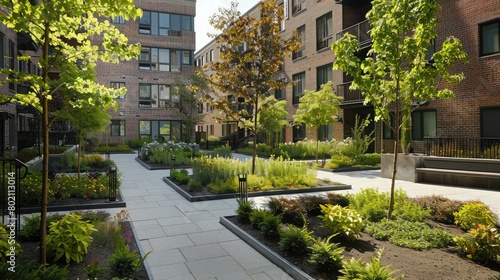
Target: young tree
x,y
395,74
272,117
251,52
318,108
64,30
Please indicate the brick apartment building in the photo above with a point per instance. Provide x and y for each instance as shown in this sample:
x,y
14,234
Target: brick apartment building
x,y
473,113
19,126
150,108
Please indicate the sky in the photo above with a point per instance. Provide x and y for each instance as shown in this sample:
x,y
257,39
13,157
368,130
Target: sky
x,y
205,9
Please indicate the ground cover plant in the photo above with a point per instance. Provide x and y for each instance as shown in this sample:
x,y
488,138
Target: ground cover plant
x,y
220,175
414,243
102,256
162,153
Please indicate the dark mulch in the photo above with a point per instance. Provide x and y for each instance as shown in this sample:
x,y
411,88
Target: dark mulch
x,y
445,263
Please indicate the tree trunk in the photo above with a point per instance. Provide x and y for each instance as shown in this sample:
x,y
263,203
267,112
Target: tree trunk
x,y
317,149
254,148
393,180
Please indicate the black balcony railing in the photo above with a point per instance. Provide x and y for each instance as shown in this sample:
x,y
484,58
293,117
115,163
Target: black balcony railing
x,y
360,31
348,94
463,147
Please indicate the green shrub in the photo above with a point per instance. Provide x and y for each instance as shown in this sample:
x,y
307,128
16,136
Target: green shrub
x,y
441,208
481,244
413,235
342,220
27,154
223,151
295,240
125,262
292,210
31,227
356,269
181,176
340,160
311,203
270,225
106,234
69,158
411,211
473,213
373,205
94,216
244,210
368,159
326,255
138,142
32,270
194,185
70,238
228,186
113,149
96,161
6,244
257,216
337,199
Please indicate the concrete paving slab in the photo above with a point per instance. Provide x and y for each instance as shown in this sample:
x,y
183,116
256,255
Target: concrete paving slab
x,y
209,237
163,258
178,271
156,213
200,252
181,229
214,267
170,242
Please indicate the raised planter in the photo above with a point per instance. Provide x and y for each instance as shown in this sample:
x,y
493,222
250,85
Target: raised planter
x,y
406,166
95,204
282,263
159,166
192,198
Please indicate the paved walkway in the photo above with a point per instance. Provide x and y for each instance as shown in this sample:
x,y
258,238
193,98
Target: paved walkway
x,y
187,241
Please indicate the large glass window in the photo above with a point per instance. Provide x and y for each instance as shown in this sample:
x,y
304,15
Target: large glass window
x,y
117,128
154,23
162,129
155,59
490,37
325,132
324,31
323,75
118,85
2,52
489,122
423,124
298,87
297,6
301,32
299,132
157,96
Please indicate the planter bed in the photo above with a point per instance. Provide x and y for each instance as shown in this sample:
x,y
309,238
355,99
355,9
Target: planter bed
x,y
349,169
155,166
186,194
72,204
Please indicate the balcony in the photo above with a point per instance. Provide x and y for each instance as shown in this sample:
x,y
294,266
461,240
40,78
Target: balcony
x,y
350,96
360,31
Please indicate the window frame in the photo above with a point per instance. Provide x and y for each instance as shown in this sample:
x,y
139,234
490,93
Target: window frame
x,y
165,24
121,127
418,132
482,37
328,70
323,21
301,31
298,92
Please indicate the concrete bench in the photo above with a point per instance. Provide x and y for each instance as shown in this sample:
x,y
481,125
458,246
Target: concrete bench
x,y
456,172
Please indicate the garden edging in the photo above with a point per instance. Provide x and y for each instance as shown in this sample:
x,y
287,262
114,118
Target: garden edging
x,y
253,194
282,263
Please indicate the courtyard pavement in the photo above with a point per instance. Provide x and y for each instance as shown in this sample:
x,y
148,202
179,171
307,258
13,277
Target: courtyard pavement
x,y
186,240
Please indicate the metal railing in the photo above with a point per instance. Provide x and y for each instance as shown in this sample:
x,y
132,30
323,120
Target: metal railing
x,y
478,147
359,30
349,95
13,171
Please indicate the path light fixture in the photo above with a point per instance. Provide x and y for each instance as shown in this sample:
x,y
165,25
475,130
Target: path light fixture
x,y
243,186
172,162
113,182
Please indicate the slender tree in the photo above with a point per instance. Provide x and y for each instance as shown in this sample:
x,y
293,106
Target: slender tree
x,y
318,108
64,30
396,73
251,52
272,117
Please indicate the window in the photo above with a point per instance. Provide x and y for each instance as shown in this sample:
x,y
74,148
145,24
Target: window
x,y
323,75
157,96
117,128
325,132
118,20
211,129
118,85
284,5
162,129
12,61
490,37
489,122
324,31
155,59
211,55
200,108
145,128
423,124
299,132
301,31
297,6
298,87
153,23
279,94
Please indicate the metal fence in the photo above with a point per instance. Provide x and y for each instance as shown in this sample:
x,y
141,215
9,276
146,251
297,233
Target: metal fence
x,y
463,147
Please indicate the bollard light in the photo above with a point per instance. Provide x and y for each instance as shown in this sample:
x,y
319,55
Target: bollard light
x,y
113,182
243,186
172,162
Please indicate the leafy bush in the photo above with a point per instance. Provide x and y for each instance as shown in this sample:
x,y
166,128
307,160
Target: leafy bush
x,y
194,185
69,158
270,225
328,256
311,203
257,216
223,151
181,176
411,211
32,270
373,205
290,209
27,154
244,210
337,219
337,199
473,213
441,208
70,237
6,245
161,152
31,227
96,161
360,141
339,160
125,262
356,269
481,244
414,235
294,239
113,149
138,142
94,216
228,186
368,159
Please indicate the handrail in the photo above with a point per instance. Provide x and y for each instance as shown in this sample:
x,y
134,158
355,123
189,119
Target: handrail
x,y
359,30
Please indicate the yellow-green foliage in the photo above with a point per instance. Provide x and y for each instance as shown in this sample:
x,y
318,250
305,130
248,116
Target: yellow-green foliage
x,y
481,244
342,220
6,244
473,213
